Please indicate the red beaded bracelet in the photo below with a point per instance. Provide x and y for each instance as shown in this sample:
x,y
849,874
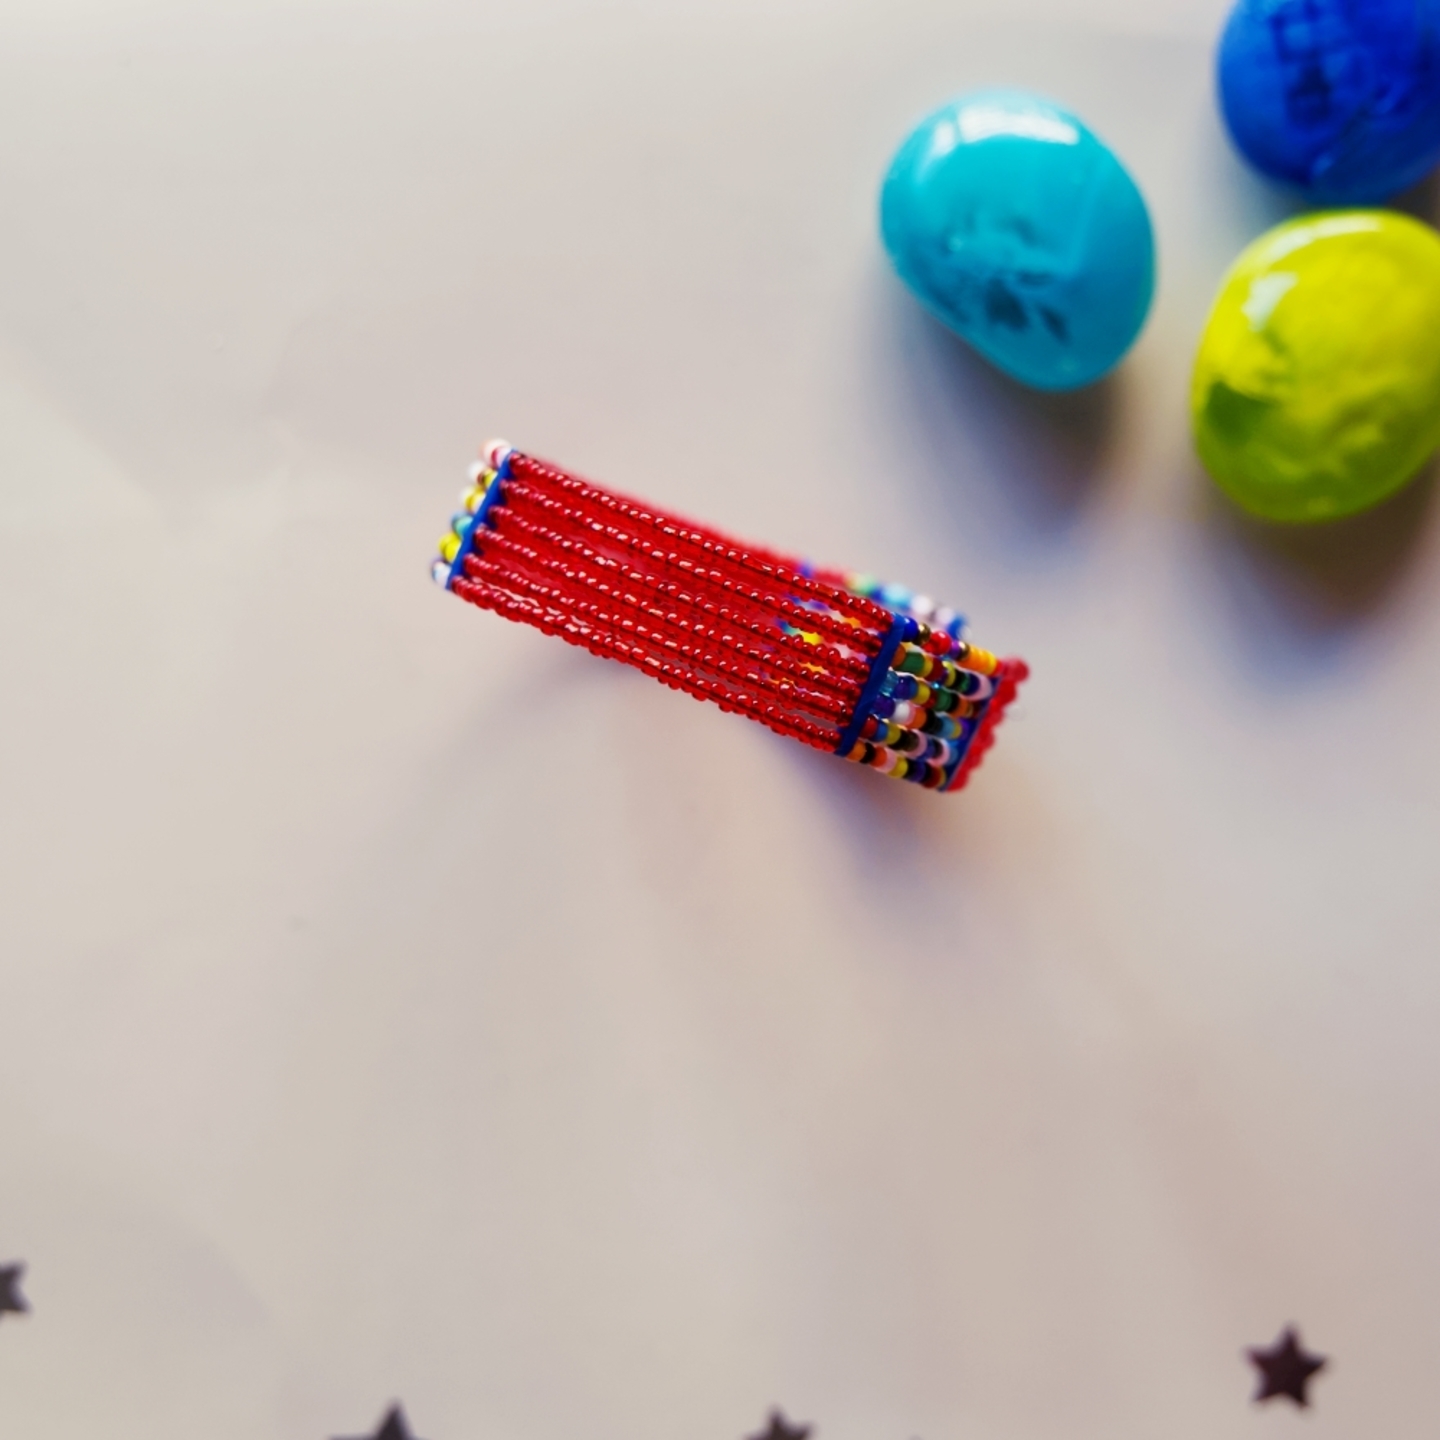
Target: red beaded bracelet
x,y
866,671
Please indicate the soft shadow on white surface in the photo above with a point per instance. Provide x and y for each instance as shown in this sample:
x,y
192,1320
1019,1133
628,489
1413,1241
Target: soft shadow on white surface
x,y
521,1040
1303,600
1030,463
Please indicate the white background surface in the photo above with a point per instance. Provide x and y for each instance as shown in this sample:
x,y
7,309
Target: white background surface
x,y
398,1004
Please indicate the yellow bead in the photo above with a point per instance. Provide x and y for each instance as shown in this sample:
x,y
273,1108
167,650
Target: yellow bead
x,y
450,548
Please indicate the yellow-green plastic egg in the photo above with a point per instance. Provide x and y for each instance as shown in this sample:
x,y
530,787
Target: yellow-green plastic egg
x,y
1317,387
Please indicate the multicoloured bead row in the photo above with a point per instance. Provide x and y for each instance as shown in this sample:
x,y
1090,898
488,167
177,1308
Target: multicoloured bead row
x,y
904,602
456,542
945,713
928,708
868,671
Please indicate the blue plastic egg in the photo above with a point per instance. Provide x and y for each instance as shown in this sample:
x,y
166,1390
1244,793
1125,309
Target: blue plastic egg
x,y
1020,230
1340,97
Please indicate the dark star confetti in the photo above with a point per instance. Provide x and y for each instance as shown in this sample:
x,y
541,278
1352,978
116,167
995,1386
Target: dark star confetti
x,y
1285,1369
392,1427
781,1429
11,1299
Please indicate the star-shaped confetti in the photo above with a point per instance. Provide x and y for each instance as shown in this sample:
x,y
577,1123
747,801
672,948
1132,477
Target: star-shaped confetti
x,y
781,1429
10,1297
1285,1369
392,1427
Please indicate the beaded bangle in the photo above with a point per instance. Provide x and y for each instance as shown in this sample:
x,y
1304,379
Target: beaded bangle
x,y
867,671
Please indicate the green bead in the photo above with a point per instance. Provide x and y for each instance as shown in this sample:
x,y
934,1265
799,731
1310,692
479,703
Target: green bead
x,y
1317,387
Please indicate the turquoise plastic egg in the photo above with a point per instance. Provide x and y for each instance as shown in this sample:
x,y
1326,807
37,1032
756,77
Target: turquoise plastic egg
x,y
1019,229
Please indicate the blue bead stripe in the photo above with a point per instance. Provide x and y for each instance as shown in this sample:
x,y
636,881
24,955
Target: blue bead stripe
x,y
494,496
902,630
